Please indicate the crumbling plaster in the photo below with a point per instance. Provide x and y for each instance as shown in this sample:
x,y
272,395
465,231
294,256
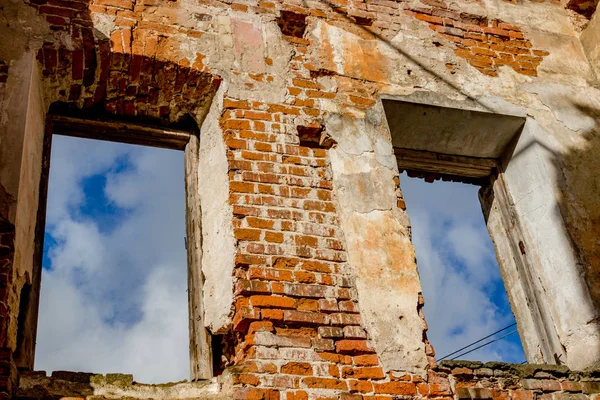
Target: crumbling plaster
x,y
377,232
21,145
553,140
532,184
415,60
218,242
535,183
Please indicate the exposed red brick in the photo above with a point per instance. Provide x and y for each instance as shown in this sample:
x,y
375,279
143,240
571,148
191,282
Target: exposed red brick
x,y
297,368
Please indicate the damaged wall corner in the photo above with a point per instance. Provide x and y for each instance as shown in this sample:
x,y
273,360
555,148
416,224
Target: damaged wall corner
x,y
377,232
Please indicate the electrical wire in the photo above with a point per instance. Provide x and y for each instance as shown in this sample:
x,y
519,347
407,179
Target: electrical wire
x,y
478,341
485,344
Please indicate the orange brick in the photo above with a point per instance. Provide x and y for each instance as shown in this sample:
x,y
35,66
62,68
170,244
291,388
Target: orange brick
x,y
521,394
299,395
440,389
428,18
308,305
294,91
361,100
236,144
248,379
244,286
239,7
297,368
270,274
275,315
305,277
247,234
366,360
303,83
318,94
397,388
272,301
360,386
274,237
235,104
325,383
315,266
363,373
353,346
241,187
248,259
236,124
260,223
260,326
243,317
256,394
306,317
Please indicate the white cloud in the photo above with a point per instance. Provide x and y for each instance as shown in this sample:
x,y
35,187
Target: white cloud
x,y
458,270
72,160
115,299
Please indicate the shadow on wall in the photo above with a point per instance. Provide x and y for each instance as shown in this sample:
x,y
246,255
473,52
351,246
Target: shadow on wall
x,y
361,25
580,199
578,168
132,74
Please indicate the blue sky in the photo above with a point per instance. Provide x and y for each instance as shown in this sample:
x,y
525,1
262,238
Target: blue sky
x,y
114,279
114,283
465,299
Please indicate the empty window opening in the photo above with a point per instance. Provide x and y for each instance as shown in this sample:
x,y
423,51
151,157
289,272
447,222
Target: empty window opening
x,y
114,281
465,298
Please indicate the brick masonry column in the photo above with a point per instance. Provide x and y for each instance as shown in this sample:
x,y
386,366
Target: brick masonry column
x,y
297,326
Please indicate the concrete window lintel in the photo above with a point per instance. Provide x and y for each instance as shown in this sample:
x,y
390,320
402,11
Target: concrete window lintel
x,y
531,250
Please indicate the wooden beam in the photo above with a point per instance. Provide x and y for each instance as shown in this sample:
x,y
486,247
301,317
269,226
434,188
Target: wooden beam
x,y
117,131
201,360
445,164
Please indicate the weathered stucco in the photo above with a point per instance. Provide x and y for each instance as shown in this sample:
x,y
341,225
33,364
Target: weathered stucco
x,y
378,237
589,40
310,274
218,242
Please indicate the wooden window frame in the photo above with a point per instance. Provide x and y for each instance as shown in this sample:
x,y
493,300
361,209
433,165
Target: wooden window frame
x,y
201,359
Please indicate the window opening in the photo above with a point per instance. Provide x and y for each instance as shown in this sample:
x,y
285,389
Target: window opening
x,y
465,297
114,281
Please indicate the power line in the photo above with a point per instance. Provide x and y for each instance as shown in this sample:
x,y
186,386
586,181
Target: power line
x,y
478,341
485,344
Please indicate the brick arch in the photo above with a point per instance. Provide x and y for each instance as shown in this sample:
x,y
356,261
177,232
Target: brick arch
x,y
125,72
116,72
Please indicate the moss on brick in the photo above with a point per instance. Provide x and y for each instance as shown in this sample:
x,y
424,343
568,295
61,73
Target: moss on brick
x,y
119,379
461,364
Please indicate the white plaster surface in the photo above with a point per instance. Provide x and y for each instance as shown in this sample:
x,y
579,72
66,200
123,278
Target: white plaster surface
x,y
218,245
380,252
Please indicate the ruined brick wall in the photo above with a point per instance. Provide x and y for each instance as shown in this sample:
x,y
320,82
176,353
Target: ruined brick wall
x,y
461,380
7,368
277,71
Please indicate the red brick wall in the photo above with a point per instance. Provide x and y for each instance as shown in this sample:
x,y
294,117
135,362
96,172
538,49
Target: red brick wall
x,y
297,324
485,44
129,74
